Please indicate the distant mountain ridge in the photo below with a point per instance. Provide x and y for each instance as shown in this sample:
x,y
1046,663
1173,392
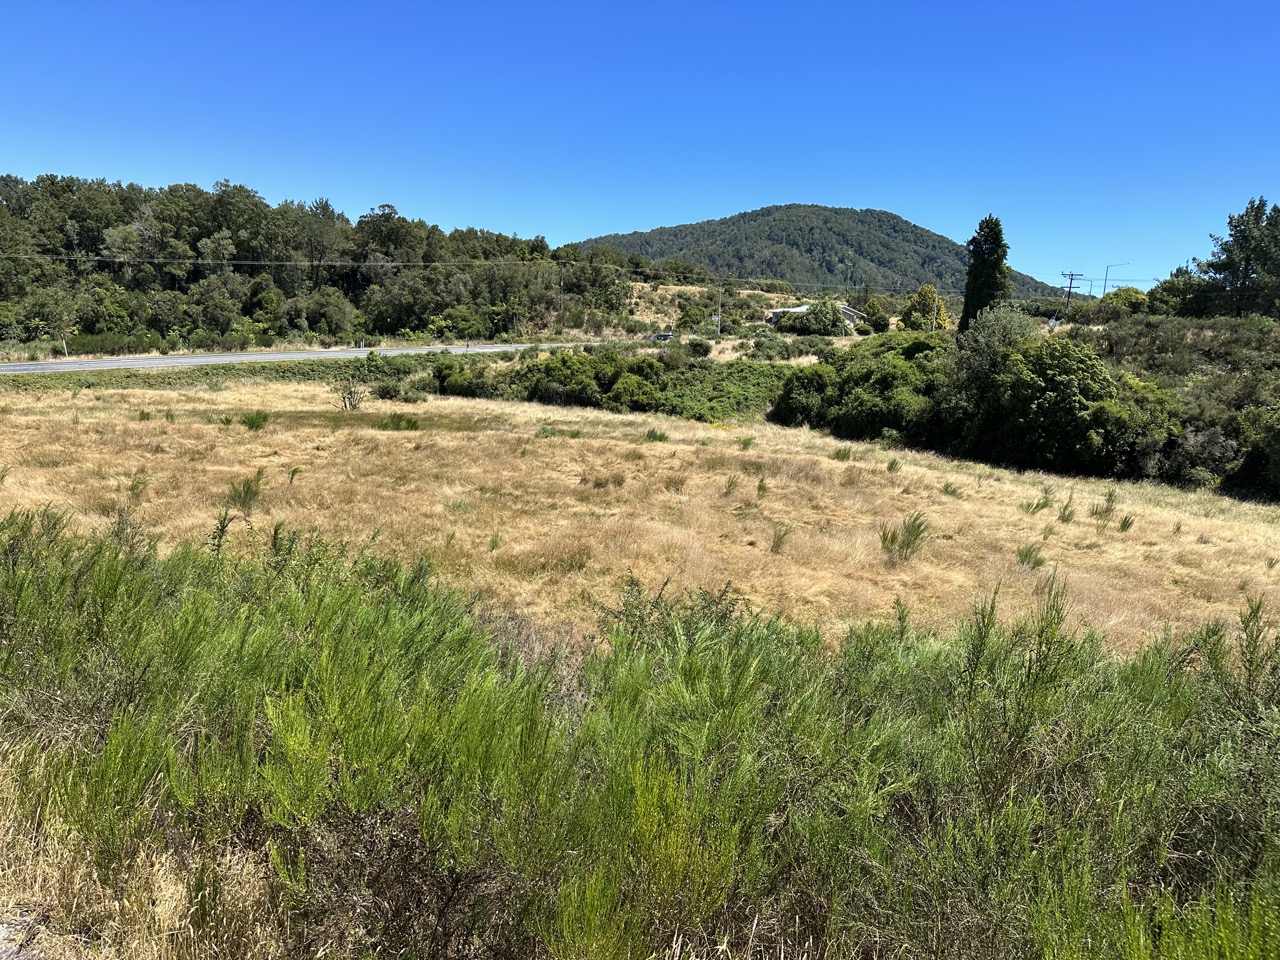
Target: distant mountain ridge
x,y
813,246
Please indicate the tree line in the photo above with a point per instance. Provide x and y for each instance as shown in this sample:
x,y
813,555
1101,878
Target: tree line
x,y
114,266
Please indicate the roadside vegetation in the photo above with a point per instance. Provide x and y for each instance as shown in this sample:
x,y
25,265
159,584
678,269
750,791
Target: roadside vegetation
x,y
309,749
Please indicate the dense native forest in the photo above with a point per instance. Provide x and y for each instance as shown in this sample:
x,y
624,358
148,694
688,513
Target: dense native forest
x,y
815,247
108,266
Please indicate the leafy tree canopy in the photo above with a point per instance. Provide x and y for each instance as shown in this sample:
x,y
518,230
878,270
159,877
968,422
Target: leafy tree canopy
x,y
1246,263
924,311
1129,298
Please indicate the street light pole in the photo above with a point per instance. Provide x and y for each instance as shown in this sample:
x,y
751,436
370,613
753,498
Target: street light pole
x,y
1106,274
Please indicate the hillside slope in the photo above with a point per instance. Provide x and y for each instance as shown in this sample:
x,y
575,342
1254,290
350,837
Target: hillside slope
x,y
810,246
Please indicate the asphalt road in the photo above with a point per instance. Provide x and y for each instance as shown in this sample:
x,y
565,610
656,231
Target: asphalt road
x,y
75,365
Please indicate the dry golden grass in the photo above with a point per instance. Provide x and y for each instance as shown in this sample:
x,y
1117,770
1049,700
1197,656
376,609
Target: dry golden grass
x,y
547,527
53,905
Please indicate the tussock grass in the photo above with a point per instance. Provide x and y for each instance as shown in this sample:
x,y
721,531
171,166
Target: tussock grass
x,y
902,542
1042,502
254,420
243,495
1031,556
397,421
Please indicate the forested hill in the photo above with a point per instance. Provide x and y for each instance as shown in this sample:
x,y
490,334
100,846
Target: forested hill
x,y
809,245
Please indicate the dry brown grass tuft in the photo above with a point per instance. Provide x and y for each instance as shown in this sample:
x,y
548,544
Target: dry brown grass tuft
x,y
52,900
548,525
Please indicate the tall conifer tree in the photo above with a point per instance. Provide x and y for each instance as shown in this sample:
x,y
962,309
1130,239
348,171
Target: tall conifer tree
x,y
988,277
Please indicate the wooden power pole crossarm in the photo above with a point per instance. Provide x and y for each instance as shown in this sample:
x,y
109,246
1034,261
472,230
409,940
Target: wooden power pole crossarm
x,y
1072,277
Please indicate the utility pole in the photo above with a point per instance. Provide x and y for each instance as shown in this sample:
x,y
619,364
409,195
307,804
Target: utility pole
x,y
1071,283
719,301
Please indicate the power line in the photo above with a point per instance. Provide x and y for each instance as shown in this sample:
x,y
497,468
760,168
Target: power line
x,y
700,279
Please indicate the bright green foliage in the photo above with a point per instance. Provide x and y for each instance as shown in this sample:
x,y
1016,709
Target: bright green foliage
x,y
883,385
877,316
678,384
987,281
1183,293
904,541
1045,405
823,318
244,494
924,311
255,419
203,282
1220,377
769,346
1001,391
1128,298
1008,790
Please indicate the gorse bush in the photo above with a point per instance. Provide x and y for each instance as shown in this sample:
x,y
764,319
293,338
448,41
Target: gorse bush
x,y
415,784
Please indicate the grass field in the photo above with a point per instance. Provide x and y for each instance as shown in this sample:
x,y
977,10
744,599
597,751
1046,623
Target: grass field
x,y
251,743
545,510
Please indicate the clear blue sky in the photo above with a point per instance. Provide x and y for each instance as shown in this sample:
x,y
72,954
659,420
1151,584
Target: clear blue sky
x,y
1098,132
